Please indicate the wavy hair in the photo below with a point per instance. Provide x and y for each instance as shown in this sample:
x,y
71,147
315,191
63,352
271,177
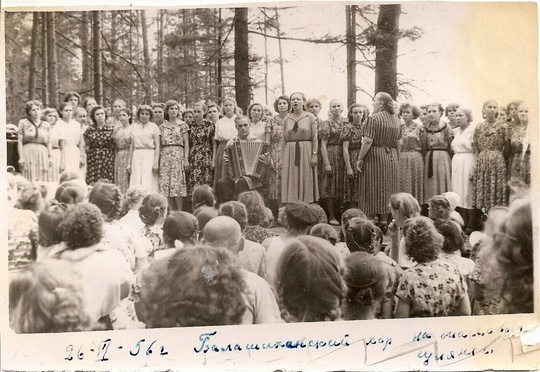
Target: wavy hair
x,y
194,287
422,240
236,210
153,206
355,105
256,210
82,226
203,195
108,198
180,226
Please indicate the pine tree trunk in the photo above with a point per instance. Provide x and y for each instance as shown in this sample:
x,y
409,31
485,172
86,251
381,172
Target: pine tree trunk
x,y
386,49
86,56
160,47
33,53
241,60
44,61
351,54
114,50
51,61
147,63
219,69
96,56
280,52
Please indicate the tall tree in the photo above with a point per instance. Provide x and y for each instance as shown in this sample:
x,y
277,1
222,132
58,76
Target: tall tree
x,y
160,47
350,11
386,49
44,60
147,63
85,46
241,58
33,53
96,56
51,60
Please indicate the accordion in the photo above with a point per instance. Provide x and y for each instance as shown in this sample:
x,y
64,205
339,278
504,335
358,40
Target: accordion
x,y
244,157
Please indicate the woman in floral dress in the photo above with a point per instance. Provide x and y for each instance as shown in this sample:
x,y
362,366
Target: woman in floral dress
x,y
314,106
490,171
332,181
352,142
201,137
99,146
122,139
518,136
274,136
174,156
411,162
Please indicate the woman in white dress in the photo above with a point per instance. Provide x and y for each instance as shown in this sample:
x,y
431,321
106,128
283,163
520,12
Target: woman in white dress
x,y
71,133
463,163
50,115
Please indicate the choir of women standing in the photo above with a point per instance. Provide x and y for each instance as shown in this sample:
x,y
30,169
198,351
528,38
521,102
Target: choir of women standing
x,y
411,161
463,164
299,167
490,171
437,162
201,137
144,151
225,130
274,136
519,139
34,145
50,115
352,142
333,179
99,147
378,161
122,139
255,115
173,160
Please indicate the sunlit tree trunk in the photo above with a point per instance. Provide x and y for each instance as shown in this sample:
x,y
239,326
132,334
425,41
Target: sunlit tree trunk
x,y
96,56
386,49
51,61
241,61
33,53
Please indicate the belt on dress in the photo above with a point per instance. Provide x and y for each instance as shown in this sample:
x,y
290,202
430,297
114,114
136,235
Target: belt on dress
x,y
56,148
297,152
430,161
171,145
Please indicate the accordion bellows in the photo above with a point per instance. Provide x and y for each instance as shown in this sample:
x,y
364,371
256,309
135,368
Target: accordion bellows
x,y
244,157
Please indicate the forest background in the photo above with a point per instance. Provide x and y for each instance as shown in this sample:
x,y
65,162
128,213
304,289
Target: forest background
x,y
446,52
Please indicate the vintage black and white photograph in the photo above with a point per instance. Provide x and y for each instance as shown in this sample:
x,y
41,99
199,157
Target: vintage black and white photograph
x,y
325,173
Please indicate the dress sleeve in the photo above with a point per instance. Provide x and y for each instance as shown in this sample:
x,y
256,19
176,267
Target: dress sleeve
x,y
369,128
347,132
405,287
324,130
269,126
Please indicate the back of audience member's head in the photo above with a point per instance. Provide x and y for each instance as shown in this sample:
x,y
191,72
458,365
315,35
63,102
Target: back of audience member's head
x,y
346,217
453,238
366,281
69,194
309,285
203,215
324,231
236,211
225,233
453,199
439,208
30,198
48,222
135,195
179,226
359,235
300,216
514,247
256,210
153,209
47,297
108,198
203,195
422,240
405,204
193,287
321,214
225,190
67,176
82,226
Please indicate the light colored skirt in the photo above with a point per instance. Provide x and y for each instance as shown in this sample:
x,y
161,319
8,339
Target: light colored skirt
x,y
36,162
73,158
141,170
54,168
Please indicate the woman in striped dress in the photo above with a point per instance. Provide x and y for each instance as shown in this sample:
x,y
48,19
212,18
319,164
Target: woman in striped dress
x,y
352,142
378,161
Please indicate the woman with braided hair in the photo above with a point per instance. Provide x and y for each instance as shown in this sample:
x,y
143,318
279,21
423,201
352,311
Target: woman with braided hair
x,y
152,212
309,286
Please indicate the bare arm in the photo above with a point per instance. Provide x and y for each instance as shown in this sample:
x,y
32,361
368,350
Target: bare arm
x,y
20,146
366,145
347,158
324,153
403,309
185,137
130,156
314,143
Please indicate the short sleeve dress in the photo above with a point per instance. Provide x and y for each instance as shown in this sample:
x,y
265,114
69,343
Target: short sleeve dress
x,y
437,162
380,175
172,177
99,144
432,289
490,174
353,135
202,137
519,163
463,163
332,184
298,177
35,138
142,161
274,126
411,162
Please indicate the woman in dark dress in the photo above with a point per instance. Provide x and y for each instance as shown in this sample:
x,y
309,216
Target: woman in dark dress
x,y
378,161
201,137
99,146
